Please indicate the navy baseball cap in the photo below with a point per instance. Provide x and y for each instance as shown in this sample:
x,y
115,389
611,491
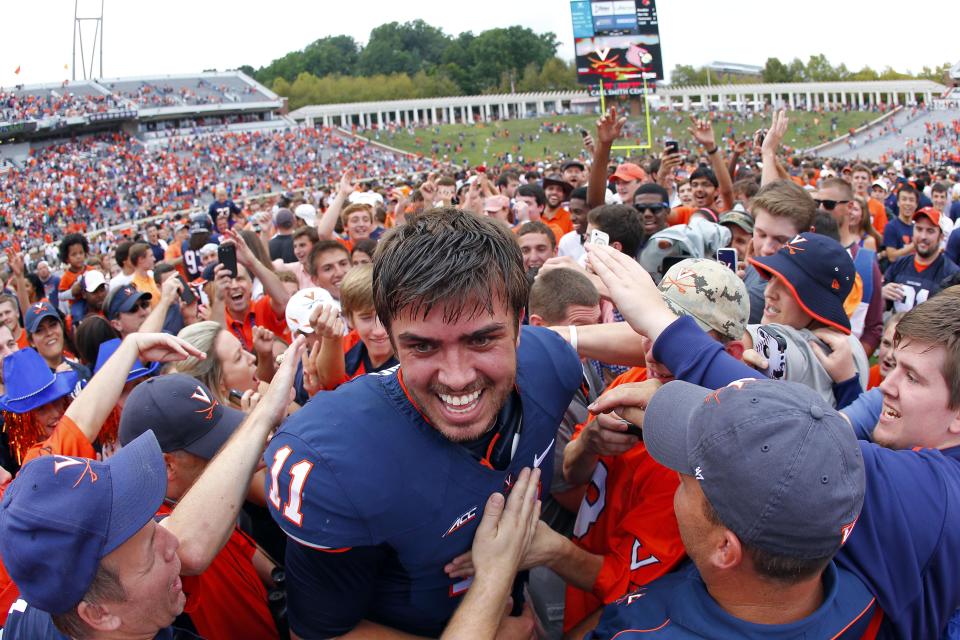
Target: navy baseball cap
x,y
138,370
182,413
61,515
124,300
779,465
818,272
36,313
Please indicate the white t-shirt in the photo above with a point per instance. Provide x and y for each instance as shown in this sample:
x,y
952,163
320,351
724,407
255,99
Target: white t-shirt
x,y
571,244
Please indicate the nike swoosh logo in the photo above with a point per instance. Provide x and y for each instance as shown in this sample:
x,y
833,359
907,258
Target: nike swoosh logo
x,y
538,459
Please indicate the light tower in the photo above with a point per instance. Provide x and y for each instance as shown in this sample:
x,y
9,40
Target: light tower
x,y
96,48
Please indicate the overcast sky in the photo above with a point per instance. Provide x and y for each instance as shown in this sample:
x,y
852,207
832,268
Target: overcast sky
x,y
180,36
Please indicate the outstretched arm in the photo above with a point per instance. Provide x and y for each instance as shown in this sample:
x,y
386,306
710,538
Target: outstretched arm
x,y
204,518
609,127
91,408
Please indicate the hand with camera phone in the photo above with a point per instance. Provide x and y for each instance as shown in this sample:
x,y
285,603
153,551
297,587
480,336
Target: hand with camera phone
x,y
227,256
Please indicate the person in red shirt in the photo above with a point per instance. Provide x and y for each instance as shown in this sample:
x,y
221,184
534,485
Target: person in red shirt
x,y
557,191
114,540
229,599
241,312
74,249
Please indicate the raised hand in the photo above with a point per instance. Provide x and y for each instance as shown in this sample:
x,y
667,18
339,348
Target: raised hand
x,y
774,138
702,132
610,127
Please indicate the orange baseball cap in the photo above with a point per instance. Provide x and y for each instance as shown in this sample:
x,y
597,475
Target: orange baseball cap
x,y
930,213
628,172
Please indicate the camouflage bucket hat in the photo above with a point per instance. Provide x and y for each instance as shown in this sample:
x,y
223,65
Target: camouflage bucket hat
x,y
710,293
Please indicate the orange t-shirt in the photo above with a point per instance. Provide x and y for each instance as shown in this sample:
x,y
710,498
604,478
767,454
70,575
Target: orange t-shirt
x,y
679,215
172,253
875,378
66,440
23,342
878,214
627,517
69,277
561,218
228,600
260,314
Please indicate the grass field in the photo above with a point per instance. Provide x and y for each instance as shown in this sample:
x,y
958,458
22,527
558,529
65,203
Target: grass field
x,y
551,137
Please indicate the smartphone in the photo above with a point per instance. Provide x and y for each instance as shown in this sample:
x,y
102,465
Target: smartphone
x,y
727,256
227,255
598,237
235,396
186,293
772,346
584,133
672,146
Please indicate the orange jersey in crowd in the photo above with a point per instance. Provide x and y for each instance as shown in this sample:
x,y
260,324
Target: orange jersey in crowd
x,y
627,517
561,218
260,314
878,213
69,277
228,600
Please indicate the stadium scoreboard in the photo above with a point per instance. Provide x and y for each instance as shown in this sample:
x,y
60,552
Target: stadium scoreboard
x,y
617,43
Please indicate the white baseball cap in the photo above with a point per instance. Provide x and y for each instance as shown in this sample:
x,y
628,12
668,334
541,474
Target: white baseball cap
x,y
307,213
301,306
92,280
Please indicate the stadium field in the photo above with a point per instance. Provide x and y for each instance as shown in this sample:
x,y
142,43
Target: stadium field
x,y
552,137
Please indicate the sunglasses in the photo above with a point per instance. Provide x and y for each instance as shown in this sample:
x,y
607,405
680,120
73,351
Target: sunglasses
x,y
652,208
829,205
142,304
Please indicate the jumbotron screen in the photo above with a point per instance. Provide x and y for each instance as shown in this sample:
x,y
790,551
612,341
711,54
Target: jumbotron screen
x,y
617,42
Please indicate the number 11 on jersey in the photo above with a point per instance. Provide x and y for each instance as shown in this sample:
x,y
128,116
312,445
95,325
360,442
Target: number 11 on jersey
x,y
298,477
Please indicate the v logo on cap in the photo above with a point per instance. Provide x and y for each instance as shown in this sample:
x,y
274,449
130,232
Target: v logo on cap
x,y
792,245
201,395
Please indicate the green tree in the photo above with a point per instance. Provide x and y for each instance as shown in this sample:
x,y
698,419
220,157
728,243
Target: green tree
x,y
688,75
508,49
331,55
556,75
864,74
402,48
819,69
776,71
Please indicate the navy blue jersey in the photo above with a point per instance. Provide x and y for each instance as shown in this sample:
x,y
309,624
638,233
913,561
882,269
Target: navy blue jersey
x,y
918,285
359,469
679,606
226,208
897,233
191,261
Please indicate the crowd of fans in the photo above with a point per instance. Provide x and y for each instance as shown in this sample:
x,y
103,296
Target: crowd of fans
x,y
16,106
712,393
95,182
